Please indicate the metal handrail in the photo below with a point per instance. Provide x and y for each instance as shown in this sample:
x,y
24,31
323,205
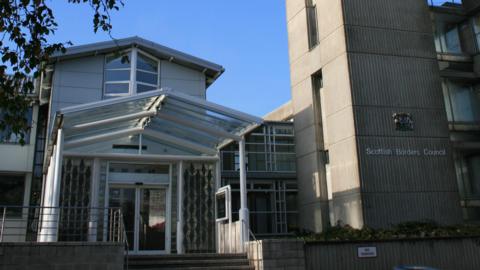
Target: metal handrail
x,y
78,224
125,240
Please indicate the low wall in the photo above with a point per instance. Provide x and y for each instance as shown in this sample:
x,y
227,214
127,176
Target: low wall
x,y
442,253
59,256
225,244
285,254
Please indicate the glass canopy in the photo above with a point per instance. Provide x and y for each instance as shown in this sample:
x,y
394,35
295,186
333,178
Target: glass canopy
x,y
170,118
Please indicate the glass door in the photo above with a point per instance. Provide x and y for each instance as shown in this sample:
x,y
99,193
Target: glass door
x,y
125,199
152,219
144,214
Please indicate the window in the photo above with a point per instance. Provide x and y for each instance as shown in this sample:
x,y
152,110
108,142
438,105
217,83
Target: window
x,y
272,205
311,10
476,30
147,73
119,76
8,136
12,189
447,38
462,102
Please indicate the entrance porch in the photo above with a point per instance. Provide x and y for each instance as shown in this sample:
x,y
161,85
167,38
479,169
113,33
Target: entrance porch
x,y
155,157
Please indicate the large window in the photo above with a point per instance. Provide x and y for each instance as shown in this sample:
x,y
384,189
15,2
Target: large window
x,y
272,205
268,148
312,23
7,135
462,102
12,188
121,81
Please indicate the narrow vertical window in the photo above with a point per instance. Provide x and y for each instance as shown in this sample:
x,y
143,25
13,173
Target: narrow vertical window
x,y
117,74
317,85
312,23
147,73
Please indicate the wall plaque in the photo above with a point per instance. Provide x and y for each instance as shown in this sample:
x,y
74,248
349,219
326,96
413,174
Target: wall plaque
x,y
403,121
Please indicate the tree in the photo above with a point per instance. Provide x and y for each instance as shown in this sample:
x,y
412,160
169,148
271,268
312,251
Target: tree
x,y
25,27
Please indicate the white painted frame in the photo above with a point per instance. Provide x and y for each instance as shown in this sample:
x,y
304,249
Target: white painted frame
x,y
168,211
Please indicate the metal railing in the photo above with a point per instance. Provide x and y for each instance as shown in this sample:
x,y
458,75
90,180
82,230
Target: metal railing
x,y
440,3
61,224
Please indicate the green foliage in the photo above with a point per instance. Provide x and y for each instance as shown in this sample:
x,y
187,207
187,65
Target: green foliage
x,y
25,27
409,230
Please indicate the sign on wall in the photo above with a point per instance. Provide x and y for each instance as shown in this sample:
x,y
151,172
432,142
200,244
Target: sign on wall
x,y
367,252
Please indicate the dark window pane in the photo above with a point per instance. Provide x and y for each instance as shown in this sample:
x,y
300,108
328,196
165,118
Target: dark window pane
x,y
116,88
118,61
146,77
312,26
291,198
144,88
117,75
11,192
146,63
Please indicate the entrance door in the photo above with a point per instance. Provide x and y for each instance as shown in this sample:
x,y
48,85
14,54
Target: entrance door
x,y
144,215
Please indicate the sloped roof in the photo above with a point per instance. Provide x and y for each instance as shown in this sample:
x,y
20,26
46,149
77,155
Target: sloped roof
x,y
211,70
164,115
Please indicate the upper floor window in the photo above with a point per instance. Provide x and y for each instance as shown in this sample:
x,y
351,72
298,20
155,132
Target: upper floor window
x,y
476,30
7,135
311,9
130,72
447,38
462,102
147,73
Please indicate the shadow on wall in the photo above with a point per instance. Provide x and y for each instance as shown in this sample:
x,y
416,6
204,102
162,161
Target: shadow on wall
x,y
311,172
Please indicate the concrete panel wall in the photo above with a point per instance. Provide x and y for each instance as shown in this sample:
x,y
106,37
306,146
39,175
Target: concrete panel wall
x,y
276,254
377,58
393,69
445,254
317,133
26,256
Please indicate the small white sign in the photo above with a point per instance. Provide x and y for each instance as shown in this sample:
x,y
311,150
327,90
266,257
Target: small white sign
x,y
367,252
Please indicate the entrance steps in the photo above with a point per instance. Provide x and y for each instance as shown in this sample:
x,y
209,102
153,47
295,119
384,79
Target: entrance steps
x,y
196,261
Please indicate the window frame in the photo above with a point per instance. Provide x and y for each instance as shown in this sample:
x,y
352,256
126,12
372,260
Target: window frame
x,y
132,82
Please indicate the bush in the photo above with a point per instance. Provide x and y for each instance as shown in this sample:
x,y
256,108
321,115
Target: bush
x,y
409,230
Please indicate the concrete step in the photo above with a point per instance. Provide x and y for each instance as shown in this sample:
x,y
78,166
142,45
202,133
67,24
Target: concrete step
x,y
201,268
204,262
192,256
190,262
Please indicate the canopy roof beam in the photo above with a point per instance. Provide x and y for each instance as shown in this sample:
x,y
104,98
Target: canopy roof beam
x,y
104,137
180,142
214,107
198,126
112,120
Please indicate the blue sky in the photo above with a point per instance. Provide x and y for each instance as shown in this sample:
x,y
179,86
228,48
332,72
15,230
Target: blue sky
x,y
247,37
